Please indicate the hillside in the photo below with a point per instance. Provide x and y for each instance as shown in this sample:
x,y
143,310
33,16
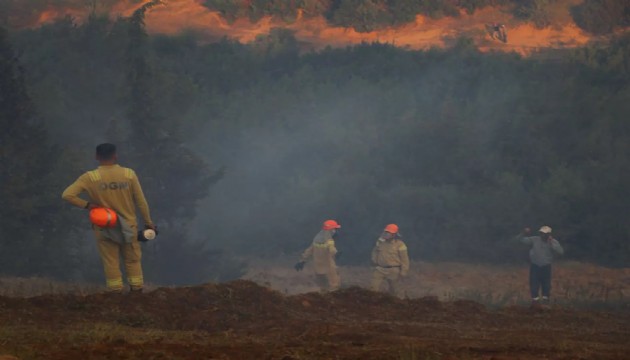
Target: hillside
x,y
531,25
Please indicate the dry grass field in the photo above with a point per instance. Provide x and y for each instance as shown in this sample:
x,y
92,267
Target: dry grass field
x,y
573,283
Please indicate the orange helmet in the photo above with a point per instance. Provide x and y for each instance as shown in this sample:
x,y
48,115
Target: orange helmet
x,y
103,217
392,228
330,224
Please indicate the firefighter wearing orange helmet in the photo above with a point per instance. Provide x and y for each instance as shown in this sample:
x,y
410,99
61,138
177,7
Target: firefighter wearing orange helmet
x,y
323,252
114,192
391,260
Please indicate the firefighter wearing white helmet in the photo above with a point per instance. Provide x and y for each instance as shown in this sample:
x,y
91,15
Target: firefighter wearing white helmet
x,y
323,253
542,247
391,260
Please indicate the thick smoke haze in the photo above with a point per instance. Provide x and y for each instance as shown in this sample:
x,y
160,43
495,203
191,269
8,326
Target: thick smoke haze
x,y
460,148
346,150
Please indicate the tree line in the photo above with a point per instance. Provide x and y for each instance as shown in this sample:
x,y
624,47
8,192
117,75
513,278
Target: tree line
x,y
598,17
594,16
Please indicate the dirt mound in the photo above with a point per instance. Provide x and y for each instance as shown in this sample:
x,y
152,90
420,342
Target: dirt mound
x,y
243,320
220,307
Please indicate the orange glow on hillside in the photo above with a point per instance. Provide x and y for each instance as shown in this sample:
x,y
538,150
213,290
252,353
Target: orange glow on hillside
x,y
179,15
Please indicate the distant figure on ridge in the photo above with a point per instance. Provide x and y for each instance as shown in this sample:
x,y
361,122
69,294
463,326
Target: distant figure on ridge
x,y
323,252
497,31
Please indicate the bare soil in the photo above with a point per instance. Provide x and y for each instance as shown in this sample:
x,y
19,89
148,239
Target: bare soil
x,y
244,320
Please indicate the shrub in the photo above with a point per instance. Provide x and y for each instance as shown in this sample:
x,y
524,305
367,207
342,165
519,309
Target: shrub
x,y
535,11
602,16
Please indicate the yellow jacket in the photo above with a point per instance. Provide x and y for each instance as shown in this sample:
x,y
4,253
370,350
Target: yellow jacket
x,y
389,254
323,251
112,186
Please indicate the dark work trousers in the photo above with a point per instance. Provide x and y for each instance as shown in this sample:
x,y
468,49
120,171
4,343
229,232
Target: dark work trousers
x,y
539,277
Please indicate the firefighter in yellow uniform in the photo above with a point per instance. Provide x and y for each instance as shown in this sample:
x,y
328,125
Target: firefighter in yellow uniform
x,y
115,187
391,259
323,252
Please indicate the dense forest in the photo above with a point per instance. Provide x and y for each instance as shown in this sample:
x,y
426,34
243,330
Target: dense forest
x,y
244,149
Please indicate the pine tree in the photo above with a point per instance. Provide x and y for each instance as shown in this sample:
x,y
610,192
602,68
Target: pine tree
x,y
173,177
33,230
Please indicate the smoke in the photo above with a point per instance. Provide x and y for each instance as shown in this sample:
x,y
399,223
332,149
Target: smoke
x,y
366,152
368,135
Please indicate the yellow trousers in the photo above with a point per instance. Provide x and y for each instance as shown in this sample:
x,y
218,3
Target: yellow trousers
x,y
391,276
110,255
330,281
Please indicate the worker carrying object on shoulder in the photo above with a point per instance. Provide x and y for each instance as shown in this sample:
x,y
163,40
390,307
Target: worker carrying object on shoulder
x,y
323,252
113,192
391,260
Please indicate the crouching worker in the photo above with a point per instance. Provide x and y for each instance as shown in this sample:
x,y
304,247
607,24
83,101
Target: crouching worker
x,y
541,251
323,252
113,192
391,259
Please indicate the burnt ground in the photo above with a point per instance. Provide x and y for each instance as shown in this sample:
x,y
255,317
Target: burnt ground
x,y
243,320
